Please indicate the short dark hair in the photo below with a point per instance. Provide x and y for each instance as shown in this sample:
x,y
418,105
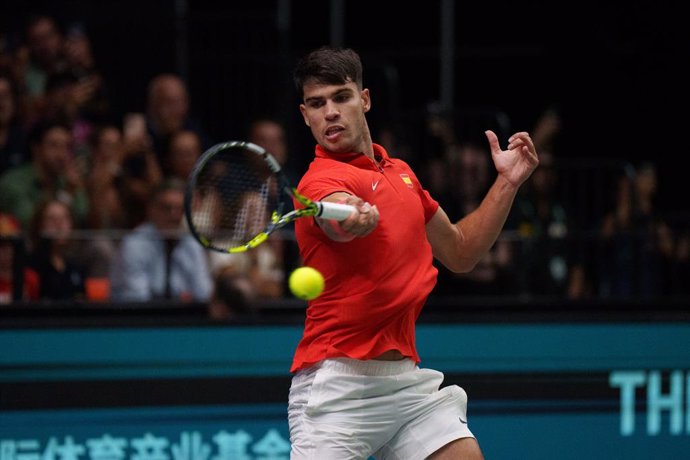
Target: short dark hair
x,y
38,131
328,65
168,184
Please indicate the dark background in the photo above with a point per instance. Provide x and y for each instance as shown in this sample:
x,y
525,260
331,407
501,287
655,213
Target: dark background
x,y
617,72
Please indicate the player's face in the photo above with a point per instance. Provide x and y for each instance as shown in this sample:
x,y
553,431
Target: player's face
x,y
335,114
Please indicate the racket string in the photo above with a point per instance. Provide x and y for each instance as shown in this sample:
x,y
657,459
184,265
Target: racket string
x,y
236,194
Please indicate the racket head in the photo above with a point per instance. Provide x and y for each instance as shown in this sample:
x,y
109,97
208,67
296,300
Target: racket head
x,y
235,197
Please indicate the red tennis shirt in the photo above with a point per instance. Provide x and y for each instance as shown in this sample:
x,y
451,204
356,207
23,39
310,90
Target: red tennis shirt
x,y
376,286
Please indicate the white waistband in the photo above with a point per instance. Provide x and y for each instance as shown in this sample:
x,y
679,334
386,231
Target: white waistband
x,y
371,367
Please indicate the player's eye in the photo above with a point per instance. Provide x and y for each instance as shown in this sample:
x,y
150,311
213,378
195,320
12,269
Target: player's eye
x,y
342,97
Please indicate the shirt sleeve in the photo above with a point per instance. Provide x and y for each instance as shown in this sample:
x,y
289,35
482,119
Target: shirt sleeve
x,y
429,204
131,277
195,278
319,186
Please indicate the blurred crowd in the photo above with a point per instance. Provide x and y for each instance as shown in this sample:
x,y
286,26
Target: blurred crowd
x,y
91,201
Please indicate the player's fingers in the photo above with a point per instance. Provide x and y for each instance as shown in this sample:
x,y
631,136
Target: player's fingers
x,y
370,222
493,141
519,135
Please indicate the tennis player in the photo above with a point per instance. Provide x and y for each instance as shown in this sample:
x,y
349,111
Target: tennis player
x,y
357,389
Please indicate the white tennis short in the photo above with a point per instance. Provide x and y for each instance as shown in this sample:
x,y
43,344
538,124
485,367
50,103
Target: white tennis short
x,y
349,409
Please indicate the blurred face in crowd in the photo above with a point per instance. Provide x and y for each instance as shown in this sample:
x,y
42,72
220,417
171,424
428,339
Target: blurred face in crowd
x,y
78,49
185,148
271,136
54,151
544,177
646,181
168,103
6,102
56,222
167,209
45,41
109,145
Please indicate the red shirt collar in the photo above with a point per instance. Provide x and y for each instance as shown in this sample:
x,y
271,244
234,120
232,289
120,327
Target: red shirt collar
x,y
355,158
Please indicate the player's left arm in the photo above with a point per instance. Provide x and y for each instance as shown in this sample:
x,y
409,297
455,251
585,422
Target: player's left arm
x,y
461,245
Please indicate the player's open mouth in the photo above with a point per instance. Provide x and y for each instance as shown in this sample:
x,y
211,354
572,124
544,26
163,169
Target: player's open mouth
x,y
333,132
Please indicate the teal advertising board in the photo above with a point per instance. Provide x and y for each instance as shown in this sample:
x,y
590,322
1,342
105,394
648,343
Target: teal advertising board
x,y
536,390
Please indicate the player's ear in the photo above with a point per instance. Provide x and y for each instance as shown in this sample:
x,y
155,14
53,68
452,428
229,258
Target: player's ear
x,y
303,110
366,100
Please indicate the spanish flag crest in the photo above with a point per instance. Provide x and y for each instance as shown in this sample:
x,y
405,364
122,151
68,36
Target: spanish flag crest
x,y
406,178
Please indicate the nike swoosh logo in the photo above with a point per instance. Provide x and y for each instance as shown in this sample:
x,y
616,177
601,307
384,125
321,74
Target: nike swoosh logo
x,y
374,185
464,422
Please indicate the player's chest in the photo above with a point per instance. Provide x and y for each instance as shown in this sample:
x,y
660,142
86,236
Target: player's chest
x,y
389,188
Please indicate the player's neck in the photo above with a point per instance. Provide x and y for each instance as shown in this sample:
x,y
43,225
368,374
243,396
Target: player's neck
x,y
367,143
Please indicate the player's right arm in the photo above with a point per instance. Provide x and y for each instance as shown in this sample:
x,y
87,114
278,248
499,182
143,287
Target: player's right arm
x,y
359,224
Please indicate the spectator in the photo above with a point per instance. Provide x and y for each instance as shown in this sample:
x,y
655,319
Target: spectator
x,y
77,93
548,258
89,94
45,43
52,173
104,179
12,137
637,244
107,210
265,266
269,134
466,174
168,111
141,170
233,296
158,261
52,253
10,236
183,151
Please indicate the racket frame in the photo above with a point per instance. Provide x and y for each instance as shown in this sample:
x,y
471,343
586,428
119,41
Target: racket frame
x,y
325,210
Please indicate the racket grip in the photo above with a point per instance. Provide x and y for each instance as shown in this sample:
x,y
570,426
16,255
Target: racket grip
x,y
337,211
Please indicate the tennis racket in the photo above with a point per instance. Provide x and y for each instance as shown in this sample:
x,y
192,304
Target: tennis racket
x,y
237,195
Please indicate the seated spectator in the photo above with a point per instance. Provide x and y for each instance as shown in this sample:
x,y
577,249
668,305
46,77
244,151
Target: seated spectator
x,y
263,266
52,253
141,169
168,111
460,179
636,245
548,259
76,93
233,296
90,94
45,45
107,210
183,151
52,173
12,137
159,261
10,236
104,180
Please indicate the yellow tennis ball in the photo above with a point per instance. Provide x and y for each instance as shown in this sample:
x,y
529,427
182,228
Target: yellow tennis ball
x,y
306,283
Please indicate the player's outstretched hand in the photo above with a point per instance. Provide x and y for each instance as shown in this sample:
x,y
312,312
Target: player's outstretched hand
x,y
517,162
